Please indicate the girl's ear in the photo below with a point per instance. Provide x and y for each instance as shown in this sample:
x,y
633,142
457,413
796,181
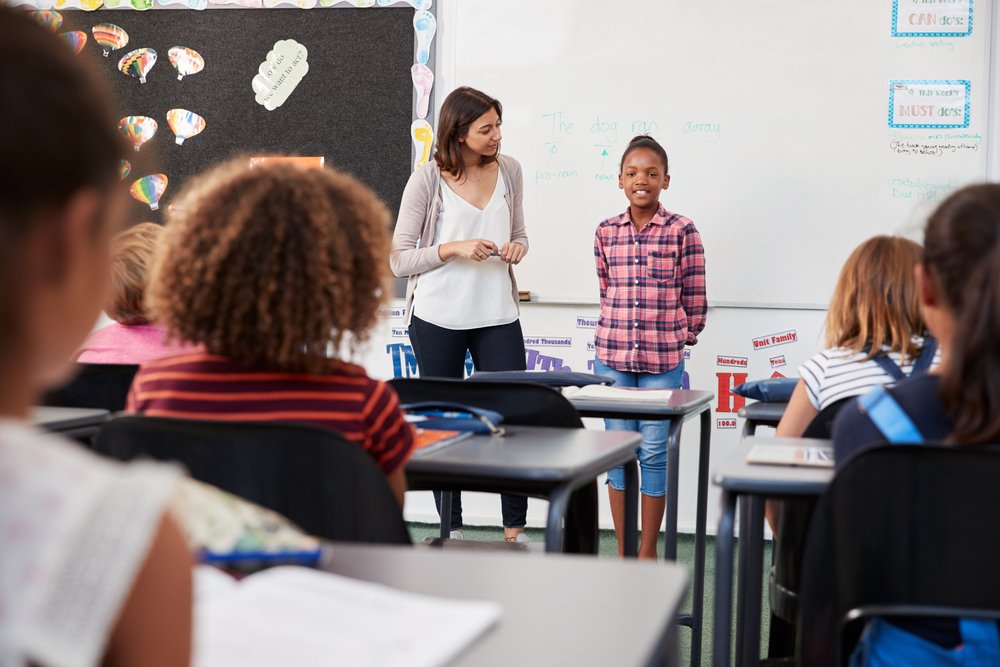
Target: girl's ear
x,y
621,185
927,286
666,181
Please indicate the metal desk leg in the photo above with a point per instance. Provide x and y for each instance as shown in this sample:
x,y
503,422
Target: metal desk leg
x,y
558,504
631,546
698,603
750,574
723,581
749,427
673,474
445,515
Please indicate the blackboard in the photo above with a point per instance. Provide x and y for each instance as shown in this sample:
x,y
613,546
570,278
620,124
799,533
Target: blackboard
x,y
354,106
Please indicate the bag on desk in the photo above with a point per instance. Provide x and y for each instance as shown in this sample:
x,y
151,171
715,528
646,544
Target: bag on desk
x,y
443,416
772,390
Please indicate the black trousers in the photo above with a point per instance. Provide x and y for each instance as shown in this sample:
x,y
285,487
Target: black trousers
x,y
441,352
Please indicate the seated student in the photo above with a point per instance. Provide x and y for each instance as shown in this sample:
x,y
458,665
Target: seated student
x,y
133,339
271,269
92,568
959,282
875,334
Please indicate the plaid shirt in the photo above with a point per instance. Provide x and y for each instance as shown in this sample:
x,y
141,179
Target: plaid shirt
x,y
653,299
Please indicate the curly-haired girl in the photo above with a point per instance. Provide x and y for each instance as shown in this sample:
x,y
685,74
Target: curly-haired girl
x,y
269,269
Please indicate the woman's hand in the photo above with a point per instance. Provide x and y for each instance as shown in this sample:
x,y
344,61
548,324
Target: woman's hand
x,y
475,249
512,253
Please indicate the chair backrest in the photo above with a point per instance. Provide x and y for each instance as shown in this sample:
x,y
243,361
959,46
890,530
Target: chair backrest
x,y
521,403
329,487
902,529
103,386
821,425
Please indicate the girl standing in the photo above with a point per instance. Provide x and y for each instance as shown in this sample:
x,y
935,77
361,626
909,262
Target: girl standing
x,y
459,233
651,269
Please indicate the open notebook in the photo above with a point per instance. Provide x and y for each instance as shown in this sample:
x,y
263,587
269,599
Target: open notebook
x,y
297,616
605,394
791,455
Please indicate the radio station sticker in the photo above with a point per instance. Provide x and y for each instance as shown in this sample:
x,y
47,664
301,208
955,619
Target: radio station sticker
x,y
780,338
931,18
926,103
725,422
734,362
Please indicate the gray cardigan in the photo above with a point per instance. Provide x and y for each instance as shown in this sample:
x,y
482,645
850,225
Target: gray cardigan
x,y
412,252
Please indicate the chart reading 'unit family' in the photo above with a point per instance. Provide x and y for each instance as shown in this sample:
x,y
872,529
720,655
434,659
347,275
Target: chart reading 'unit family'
x,y
929,103
931,18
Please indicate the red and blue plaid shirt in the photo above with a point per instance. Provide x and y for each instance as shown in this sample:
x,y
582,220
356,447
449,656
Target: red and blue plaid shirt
x,y
653,299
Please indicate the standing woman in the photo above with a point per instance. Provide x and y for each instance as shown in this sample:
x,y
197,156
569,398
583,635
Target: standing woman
x,y
459,233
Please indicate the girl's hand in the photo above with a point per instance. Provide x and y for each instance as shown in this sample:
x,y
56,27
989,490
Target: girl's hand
x,y
512,253
475,249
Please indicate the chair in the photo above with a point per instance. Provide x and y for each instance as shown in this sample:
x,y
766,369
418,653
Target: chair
x,y
329,487
103,386
521,404
900,531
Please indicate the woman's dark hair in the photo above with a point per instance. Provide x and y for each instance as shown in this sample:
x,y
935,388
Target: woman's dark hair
x,y
57,138
645,141
962,255
460,109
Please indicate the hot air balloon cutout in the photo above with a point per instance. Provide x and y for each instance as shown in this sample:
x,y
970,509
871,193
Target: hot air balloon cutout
x,y
185,124
110,37
186,61
124,169
149,189
138,63
87,5
138,129
51,20
75,39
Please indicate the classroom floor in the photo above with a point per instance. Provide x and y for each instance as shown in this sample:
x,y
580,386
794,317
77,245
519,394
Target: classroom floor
x,y
608,549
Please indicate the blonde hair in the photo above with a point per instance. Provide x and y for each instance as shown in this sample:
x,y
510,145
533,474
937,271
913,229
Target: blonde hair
x,y
876,302
273,265
132,254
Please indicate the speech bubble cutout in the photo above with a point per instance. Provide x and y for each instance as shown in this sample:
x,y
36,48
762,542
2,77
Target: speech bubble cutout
x,y
280,73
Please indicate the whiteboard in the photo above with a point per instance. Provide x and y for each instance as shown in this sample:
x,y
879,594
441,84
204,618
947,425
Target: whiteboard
x,y
774,113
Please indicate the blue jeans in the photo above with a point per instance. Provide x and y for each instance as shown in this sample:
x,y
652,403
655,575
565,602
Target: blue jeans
x,y
652,452
885,645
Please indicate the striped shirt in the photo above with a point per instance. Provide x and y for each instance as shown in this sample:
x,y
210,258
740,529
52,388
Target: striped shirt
x,y
347,401
841,373
652,284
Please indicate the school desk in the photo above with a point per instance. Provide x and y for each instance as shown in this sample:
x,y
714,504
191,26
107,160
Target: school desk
x,y
76,423
556,610
761,413
751,484
682,405
537,461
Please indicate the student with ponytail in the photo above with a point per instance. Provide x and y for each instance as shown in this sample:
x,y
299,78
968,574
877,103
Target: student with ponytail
x,y
959,403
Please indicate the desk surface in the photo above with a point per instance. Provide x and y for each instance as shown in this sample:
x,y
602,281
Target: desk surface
x,y
65,419
736,475
531,454
682,403
557,610
763,412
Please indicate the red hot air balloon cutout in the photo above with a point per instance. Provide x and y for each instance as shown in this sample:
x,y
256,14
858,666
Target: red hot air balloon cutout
x,y
110,37
50,19
138,129
76,40
138,63
149,189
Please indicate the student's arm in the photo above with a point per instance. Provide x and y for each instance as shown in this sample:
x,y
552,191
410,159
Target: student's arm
x,y
602,265
397,482
406,258
798,414
391,438
693,294
154,627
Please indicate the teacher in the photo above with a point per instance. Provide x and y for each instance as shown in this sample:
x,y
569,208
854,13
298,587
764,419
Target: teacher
x,y
459,233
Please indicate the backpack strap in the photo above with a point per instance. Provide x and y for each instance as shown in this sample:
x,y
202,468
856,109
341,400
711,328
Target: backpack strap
x,y
889,418
926,358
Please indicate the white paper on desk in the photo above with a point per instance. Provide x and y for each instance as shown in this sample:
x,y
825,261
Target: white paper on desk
x,y
302,617
601,392
791,455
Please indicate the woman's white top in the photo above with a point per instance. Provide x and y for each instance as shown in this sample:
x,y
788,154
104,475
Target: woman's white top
x,y
74,531
462,293
839,373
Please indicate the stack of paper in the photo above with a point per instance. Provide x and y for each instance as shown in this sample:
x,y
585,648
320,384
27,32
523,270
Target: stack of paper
x,y
297,616
604,393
